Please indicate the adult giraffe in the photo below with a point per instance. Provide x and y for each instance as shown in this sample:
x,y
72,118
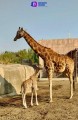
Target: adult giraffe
x,y
53,61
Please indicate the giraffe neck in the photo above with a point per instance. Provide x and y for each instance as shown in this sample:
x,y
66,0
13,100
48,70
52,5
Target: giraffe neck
x,y
37,73
34,45
44,52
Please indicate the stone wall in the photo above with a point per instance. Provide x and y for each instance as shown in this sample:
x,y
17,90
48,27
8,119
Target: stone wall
x,y
11,77
61,46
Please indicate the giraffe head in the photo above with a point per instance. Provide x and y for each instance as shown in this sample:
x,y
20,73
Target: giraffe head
x,y
37,67
19,34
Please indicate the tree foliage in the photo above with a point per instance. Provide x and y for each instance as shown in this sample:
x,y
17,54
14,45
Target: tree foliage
x,y
17,57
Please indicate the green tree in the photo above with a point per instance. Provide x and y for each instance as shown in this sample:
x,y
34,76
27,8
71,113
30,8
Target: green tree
x,y
22,54
17,57
32,56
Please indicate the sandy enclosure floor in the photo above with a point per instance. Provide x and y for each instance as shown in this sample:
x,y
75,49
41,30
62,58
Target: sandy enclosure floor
x,y
62,107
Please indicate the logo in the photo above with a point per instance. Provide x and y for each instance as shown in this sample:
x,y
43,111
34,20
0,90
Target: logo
x,y
38,4
34,4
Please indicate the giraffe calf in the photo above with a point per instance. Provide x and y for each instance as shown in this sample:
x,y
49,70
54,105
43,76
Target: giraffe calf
x,y
30,86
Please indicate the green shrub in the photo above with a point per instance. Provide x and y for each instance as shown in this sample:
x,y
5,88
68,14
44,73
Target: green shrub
x,y
17,57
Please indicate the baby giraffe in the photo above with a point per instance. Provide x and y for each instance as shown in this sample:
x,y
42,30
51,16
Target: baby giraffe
x,y
30,86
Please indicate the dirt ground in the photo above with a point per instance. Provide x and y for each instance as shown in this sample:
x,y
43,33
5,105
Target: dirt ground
x,y
62,108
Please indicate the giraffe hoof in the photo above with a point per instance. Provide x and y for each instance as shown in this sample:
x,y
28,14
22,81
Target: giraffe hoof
x,y
31,104
70,98
51,101
37,104
25,107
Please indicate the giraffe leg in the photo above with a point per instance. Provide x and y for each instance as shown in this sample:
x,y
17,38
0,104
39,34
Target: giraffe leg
x,y
36,97
23,98
74,80
71,86
24,101
50,82
32,98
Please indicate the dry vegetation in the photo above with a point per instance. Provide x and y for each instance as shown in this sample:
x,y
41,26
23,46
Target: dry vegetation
x,y
61,109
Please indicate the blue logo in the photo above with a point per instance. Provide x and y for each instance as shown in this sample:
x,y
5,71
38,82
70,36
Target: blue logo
x,y
38,4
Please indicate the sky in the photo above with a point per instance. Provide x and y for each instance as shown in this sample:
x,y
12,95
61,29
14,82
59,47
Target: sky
x,y
56,20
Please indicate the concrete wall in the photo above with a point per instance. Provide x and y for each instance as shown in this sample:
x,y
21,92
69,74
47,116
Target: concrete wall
x,y
61,46
11,77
